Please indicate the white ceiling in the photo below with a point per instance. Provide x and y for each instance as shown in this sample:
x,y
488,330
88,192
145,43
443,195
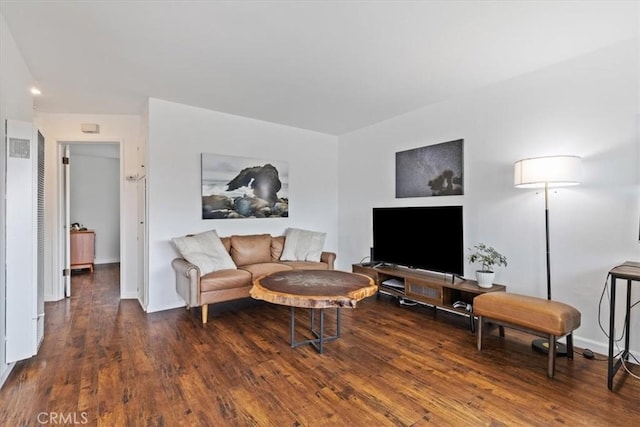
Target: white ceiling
x,y
328,66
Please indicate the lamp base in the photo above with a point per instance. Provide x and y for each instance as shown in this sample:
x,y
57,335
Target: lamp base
x,y
542,346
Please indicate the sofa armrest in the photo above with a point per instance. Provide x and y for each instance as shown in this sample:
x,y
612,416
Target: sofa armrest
x,y
329,258
187,281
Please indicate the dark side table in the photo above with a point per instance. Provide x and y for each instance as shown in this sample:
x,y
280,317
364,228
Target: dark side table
x,y
629,271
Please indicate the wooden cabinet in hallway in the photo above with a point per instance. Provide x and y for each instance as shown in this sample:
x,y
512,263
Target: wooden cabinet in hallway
x,y
83,245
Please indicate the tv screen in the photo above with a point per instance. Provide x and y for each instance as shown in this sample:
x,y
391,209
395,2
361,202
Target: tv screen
x,y
427,238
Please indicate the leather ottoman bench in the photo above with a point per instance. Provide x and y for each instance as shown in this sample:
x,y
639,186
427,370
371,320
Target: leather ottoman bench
x,y
537,316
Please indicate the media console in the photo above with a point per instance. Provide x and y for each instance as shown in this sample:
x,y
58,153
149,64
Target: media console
x,y
426,288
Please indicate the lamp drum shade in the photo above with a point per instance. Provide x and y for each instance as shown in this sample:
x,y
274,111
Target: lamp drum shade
x,y
554,171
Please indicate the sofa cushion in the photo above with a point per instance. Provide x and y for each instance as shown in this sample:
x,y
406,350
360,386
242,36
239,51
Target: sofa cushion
x,y
226,241
251,249
224,279
303,245
205,250
277,245
264,268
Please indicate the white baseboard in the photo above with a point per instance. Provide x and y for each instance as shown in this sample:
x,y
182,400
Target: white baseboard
x,y
601,347
142,305
167,306
107,261
129,295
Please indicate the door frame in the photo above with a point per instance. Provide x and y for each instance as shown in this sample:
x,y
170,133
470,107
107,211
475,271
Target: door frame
x,y
59,231
143,261
65,208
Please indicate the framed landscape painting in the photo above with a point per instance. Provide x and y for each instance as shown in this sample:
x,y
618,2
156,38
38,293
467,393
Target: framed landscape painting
x,y
244,187
434,170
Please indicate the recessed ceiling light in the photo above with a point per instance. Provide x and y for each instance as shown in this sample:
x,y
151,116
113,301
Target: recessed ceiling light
x,y
35,91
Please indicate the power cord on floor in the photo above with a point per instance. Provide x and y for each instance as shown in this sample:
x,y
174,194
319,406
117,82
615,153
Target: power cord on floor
x,y
624,331
624,363
588,354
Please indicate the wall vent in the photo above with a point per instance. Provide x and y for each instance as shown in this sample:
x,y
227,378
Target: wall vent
x,y
19,148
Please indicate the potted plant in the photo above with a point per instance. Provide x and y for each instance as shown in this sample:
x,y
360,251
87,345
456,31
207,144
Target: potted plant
x,y
488,257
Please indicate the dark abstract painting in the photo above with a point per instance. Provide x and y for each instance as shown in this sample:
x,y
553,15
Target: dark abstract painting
x,y
242,187
434,170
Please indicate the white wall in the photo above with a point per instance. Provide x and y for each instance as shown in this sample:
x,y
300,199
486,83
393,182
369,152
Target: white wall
x,y
178,134
585,107
15,103
95,199
125,129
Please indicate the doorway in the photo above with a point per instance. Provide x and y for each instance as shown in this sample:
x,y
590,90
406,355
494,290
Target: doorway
x,y
90,197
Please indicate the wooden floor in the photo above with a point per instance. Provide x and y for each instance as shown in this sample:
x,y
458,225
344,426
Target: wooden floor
x,y
105,362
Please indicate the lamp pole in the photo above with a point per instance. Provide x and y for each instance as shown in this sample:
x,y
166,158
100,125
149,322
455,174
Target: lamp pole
x,y
546,226
533,172
542,345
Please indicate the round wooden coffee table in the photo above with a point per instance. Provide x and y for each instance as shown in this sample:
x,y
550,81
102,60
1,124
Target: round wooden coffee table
x,y
317,290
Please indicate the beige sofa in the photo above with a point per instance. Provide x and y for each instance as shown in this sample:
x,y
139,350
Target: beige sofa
x,y
254,255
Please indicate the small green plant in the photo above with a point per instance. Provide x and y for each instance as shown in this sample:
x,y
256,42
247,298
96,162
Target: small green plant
x,y
488,257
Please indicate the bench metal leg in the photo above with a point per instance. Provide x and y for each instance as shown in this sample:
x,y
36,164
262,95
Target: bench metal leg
x,y
551,341
480,322
570,346
552,356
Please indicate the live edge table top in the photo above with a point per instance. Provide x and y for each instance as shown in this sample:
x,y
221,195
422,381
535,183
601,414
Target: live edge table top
x,y
314,288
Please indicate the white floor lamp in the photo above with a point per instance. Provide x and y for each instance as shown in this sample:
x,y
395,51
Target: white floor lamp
x,y
547,172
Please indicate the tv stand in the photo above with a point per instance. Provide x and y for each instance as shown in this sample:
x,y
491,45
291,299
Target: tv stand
x,y
426,288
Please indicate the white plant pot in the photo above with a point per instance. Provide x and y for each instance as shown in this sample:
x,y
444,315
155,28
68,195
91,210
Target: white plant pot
x,y
485,278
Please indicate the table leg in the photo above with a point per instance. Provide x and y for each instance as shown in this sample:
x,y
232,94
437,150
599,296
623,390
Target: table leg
x,y
321,349
625,354
293,326
612,317
313,319
320,338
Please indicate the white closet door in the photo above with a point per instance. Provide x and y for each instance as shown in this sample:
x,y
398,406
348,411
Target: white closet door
x,y
21,241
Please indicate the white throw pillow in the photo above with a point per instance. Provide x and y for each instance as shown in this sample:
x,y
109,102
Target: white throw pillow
x,y
206,251
302,245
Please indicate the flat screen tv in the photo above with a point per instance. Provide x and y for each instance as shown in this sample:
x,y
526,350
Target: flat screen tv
x,y
427,238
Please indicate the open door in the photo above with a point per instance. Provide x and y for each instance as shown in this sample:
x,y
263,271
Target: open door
x,y
66,196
